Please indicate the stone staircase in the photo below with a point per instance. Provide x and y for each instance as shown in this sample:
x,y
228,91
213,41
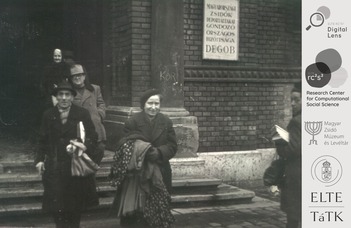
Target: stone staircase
x,y
21,189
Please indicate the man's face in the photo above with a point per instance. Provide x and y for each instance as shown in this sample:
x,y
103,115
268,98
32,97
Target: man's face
x,y
152,106
64,98
296,102
57,56
78,80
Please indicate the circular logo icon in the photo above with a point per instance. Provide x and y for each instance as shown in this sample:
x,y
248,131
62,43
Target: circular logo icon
x,y
317,19
318,74
327,170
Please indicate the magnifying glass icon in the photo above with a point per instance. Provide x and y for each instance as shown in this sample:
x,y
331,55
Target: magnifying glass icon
x,y
316,20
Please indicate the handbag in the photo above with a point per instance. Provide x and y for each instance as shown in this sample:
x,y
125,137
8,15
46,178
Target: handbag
x,y
83,166
81,163
274,174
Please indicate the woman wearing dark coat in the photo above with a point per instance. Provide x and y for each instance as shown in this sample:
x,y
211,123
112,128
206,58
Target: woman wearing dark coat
x,y
156,129
159,131
53,74
291,153
65,196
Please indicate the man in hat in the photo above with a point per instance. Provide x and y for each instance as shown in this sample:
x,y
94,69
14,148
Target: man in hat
x,y
89,97
68,57
65,196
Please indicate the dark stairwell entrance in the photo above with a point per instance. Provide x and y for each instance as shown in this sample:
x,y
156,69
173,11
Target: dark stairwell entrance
x,y
29,31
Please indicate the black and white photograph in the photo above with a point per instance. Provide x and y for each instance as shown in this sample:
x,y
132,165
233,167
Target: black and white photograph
x,y
152,113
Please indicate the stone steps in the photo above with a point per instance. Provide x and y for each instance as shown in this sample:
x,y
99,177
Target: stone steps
x,y
225,194
28,166
29,189
21,189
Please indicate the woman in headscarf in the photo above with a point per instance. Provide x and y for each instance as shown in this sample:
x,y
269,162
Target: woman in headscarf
x,y
53,74
152,182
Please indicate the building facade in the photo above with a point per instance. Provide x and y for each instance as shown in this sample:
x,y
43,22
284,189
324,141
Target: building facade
x,y
222,109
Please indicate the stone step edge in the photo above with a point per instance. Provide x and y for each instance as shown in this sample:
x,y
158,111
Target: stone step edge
x,y
176,182
30,162
38,192
108,159
32,208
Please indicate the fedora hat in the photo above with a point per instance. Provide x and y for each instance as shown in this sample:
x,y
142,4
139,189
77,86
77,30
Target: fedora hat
x,y
64,85
77,69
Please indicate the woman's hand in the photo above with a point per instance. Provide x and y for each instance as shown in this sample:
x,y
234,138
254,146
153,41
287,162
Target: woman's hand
x,y
153,154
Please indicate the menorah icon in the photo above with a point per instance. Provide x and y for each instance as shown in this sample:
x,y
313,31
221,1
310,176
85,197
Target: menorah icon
x,y
313,128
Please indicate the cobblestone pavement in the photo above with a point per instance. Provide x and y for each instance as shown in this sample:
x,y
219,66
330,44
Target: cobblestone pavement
x,y
261,213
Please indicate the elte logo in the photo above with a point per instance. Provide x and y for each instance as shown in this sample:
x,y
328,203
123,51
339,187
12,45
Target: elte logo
x,y
327,170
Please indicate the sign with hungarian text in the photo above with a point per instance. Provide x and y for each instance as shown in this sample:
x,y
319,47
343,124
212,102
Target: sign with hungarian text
x,y
220,35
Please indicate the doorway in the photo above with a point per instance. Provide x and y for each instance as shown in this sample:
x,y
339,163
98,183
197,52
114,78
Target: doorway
x,y
29,32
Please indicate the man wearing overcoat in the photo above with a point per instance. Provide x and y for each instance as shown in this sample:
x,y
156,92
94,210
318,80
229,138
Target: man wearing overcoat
x,y
65,196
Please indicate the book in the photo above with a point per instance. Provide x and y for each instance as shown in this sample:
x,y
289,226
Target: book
x,y
280,134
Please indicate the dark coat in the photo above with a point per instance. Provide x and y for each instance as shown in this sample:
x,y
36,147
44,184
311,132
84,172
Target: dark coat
x,y
291,187
52,75
61,190
160,133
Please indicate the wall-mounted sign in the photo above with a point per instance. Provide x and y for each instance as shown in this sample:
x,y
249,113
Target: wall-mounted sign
x,y
221,36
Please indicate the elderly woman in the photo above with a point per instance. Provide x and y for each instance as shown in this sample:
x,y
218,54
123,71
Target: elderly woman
x,y
145,179
53,74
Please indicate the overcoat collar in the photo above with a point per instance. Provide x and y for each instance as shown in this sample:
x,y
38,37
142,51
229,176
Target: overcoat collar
x,y
158,125
71,119
83,97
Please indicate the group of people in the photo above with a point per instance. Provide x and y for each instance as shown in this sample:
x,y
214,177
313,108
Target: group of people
x,y
70,100
141,171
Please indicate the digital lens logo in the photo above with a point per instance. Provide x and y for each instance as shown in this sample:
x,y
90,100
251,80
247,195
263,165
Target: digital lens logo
x,y
326,70
317,19
327,170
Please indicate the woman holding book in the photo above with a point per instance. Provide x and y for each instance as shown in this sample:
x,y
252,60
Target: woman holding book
x,y
290,151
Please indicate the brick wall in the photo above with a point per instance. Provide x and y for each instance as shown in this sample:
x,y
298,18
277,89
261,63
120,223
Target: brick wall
x,y
265,29
131,50
120,42
237,102
236,116
141,48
